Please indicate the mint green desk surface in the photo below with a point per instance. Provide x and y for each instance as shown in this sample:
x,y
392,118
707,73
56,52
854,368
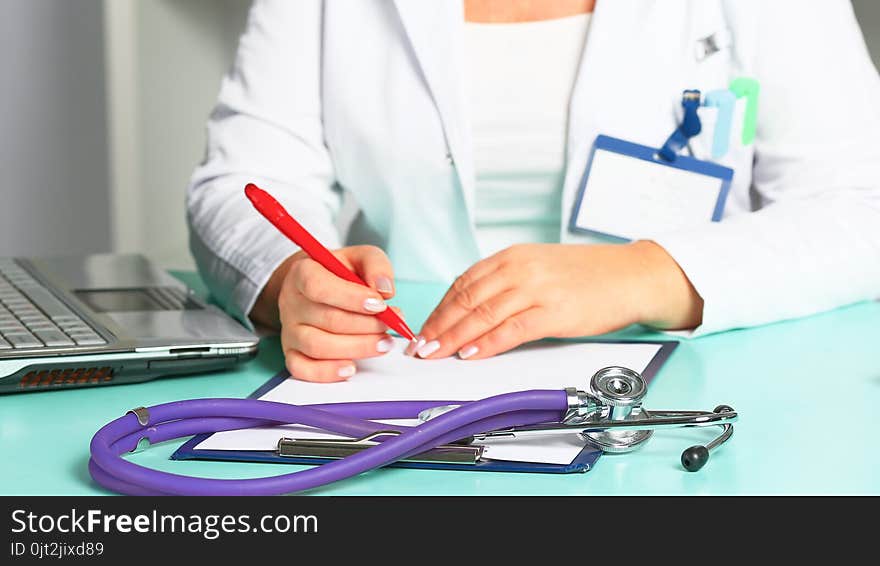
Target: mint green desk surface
x,y
807,391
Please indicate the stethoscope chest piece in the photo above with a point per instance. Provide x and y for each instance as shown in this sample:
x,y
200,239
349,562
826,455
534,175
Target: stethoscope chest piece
x,y
619,441
611,417
620,390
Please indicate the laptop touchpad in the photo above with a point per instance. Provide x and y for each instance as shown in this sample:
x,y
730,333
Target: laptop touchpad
x,y
145,299
157,327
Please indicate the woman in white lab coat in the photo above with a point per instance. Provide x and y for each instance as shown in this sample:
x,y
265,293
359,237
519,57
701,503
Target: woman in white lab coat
x,y
452,136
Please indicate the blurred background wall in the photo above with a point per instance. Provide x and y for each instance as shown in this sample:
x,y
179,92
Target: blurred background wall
x,y
53,143
103,105
102,112
164,61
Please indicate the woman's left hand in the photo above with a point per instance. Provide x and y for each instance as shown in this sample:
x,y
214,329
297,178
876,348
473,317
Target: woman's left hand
x,y
532,291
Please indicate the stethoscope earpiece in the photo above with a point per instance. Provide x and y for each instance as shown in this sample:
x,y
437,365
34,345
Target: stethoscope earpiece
x,y
694,457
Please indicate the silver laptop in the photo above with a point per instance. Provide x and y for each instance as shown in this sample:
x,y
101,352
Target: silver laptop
x,y
106,319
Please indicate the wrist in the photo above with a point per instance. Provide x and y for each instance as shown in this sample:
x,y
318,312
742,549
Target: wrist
x,y
665,295
265,310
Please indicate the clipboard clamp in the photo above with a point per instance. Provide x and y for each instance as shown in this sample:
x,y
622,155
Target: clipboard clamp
x,y
336,448
143,417
142,414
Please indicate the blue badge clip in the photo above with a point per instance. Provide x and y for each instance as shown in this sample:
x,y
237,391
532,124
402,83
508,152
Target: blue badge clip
x,y
689,127
724,101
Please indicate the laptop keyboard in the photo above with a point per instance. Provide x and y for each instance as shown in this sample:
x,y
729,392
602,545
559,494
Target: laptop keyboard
x,y
32,317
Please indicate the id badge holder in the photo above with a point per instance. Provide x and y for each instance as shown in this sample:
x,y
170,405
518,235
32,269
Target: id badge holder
x,y
631,191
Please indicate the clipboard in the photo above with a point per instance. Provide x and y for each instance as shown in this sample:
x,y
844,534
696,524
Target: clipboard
x,y
583,462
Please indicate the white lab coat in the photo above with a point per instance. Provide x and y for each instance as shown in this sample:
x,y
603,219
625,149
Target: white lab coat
x,y
364,100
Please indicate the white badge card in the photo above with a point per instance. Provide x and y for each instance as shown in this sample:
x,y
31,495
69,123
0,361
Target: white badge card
x,y
628,192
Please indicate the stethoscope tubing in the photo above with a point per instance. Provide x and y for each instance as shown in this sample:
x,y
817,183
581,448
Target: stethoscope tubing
x,y
184,418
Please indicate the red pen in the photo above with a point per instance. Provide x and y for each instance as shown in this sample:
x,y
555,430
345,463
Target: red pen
x,y
275,213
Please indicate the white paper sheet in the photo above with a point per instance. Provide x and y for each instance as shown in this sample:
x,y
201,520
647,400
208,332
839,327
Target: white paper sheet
x,y
395,377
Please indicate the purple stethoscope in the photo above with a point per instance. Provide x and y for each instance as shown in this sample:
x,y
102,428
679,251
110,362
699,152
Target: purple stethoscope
x,y
609,417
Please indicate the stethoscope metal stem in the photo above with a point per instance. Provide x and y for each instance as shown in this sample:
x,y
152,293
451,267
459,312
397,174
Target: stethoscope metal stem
x,y
657,420
722,438
727,431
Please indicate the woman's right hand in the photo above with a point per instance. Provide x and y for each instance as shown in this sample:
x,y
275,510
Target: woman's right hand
x,y
326,322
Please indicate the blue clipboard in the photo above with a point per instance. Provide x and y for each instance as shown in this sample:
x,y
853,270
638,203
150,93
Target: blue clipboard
x,y
582,463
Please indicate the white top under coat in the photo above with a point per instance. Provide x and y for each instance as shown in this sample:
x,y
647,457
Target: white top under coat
x,y
519,78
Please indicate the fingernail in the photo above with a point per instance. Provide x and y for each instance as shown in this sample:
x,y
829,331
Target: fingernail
x,y
427,349
374,305
466,353
346,371
385,345
414,346
383,284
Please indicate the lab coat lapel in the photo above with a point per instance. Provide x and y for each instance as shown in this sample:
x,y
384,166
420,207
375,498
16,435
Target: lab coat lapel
x,y
619,90
435,31
631,60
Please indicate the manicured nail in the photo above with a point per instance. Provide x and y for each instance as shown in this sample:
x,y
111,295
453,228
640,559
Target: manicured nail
x,y
466,353
346,371
374,305
414,346
385,345
383,284
427,349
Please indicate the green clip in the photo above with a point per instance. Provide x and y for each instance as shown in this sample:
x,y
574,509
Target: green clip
x,y
749,88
